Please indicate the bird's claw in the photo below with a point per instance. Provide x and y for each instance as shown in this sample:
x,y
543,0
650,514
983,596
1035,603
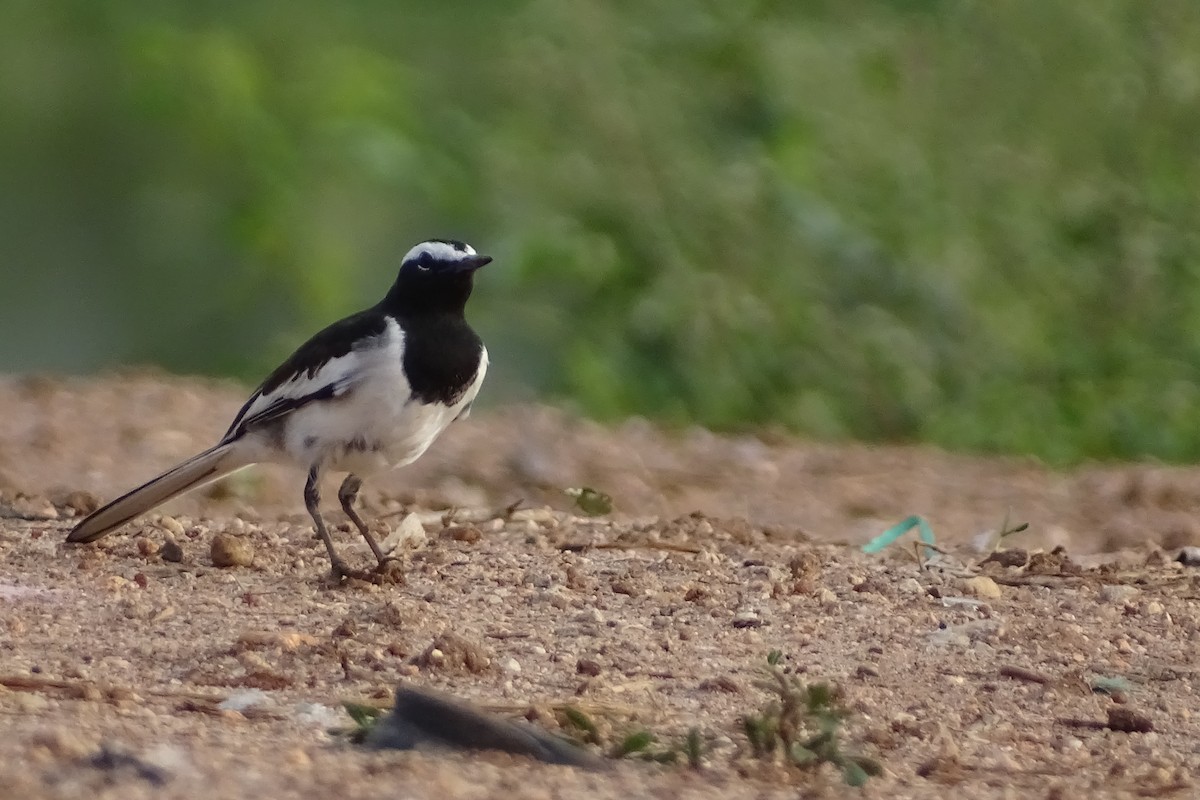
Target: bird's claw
x,y
389,570
342,571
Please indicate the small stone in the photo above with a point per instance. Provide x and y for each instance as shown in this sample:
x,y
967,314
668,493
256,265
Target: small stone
x,y
625,586
511,665
231,551
911,586
805,566
146,547
1126,720
171,525
982,586
1154,608
1118,592
827,597
453,652
747,619
463,533
171,551
410,533
586,666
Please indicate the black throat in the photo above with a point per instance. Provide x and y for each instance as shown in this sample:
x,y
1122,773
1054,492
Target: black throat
x,y
441,352
419,295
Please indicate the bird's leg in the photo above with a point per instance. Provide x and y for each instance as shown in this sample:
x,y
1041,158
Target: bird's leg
x,y
347,494
312,501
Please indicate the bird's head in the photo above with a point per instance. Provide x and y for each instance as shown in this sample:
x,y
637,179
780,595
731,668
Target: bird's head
x,y
437,274
440,259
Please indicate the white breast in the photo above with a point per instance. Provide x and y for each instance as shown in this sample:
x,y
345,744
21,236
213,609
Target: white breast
x,y
375,423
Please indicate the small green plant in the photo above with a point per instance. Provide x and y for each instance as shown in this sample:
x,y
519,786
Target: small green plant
x,y
693,748
582,724
638,743
592,502
644,745
803,722
365,718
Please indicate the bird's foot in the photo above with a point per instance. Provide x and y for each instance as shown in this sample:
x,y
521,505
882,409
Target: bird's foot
x,y
389,570
341,571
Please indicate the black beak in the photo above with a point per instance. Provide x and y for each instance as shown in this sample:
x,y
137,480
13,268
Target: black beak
x,y
472,263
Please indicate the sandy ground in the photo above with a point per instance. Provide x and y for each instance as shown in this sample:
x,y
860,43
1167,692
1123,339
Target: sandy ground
x,y
658,616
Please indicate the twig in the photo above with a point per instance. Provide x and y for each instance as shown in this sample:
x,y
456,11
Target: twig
x,y
576,547
1027,675
1050,581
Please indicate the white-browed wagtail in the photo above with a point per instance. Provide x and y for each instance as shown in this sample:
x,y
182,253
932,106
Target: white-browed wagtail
x,y
366,394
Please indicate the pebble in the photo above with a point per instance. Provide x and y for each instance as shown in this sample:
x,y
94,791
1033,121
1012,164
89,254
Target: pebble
x,y
911,586
1154,608
171,551
747,619
510,664
409,533
171,525
827,597
982,586
231,551
1118,592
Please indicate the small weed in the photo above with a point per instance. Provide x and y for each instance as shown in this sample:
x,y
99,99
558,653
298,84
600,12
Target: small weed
x,y
803,722
639,743
693,748
592,502
365,718
636,742
582,723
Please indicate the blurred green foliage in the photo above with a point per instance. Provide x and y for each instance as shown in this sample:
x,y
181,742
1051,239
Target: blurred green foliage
x,y
971,223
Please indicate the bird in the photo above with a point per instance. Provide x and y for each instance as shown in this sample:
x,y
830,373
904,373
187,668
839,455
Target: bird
x,y
368,393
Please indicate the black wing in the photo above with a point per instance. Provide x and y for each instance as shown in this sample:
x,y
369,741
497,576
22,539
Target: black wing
x,y
323,367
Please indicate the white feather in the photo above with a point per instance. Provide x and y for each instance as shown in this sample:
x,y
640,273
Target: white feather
x,y
374,424
442,251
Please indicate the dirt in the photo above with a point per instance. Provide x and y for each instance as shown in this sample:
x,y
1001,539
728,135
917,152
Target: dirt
x,y
961,679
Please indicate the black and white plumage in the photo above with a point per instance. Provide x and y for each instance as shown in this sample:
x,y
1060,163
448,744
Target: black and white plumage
x,y
368,393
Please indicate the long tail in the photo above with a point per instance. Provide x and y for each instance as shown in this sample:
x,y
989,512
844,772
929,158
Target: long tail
x,y
206,467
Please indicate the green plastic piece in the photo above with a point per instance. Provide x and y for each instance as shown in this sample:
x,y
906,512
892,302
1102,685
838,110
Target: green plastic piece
x,y
893,533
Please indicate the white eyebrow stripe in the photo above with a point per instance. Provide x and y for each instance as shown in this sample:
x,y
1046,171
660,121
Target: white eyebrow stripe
x,y
442,251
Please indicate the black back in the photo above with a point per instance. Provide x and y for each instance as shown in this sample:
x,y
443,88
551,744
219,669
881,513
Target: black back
x,y
332,342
